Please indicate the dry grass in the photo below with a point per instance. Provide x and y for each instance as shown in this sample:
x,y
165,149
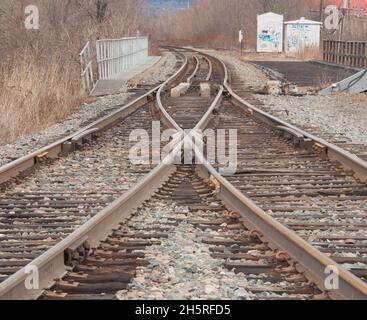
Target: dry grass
x,y
34,96
215,23
39,71
309,53
322,82
153,49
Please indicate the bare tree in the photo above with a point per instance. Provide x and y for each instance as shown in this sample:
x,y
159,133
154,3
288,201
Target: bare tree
x,y
101,10
217,22
39,69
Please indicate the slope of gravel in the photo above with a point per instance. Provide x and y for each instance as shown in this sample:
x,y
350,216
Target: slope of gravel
x,y
160,74
343,115
86,114
251,76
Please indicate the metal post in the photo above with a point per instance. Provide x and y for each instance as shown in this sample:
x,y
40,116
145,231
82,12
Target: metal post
x,y
87,68
341,29
240,39
321,10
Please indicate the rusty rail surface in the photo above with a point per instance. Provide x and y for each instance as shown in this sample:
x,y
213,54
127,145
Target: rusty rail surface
x,y
51,264
313,261
66,145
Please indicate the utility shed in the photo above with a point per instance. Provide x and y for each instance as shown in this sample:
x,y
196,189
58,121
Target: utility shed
x,y
270,32
302,34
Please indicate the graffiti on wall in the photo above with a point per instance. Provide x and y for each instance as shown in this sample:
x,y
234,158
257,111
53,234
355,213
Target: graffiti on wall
x,y
301,36
270,38
298,36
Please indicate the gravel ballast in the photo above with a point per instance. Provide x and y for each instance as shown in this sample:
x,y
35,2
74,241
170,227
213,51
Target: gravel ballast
x,y
181,267
343,115
87,113
250,75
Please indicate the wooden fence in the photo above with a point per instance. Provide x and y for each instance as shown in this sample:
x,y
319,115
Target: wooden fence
x,y
349,53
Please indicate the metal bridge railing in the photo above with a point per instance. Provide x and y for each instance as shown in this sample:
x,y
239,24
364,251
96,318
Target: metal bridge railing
x,y
117,55
87,68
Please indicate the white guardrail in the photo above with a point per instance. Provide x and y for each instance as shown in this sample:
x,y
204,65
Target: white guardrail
x,y
117,55
87,68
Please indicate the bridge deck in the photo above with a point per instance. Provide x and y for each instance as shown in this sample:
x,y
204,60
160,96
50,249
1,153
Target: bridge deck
x,y
114,85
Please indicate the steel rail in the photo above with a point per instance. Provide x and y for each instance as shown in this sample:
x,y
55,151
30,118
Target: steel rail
x,y
165,116
226,76
51,264
312,260
225,81
333,152
191,77
314,263
210,69
62,146
53,150
171,123
347,159
204,122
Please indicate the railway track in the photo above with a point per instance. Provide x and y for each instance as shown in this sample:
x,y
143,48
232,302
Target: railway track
x,y
188,108
49,194
114,264
100,258
319,200
48,205
246,94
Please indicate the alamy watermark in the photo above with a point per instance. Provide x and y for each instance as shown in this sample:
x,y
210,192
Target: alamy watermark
x,y
332,279
187,147
32,17
32,281
333,17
